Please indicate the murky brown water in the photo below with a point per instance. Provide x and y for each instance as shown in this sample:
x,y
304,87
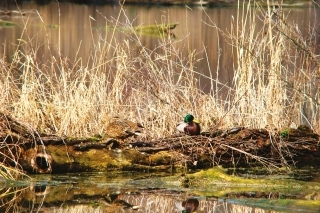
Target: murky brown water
x,y
82,27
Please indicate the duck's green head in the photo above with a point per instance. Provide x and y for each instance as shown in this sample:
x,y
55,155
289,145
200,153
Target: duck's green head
x,y
189,118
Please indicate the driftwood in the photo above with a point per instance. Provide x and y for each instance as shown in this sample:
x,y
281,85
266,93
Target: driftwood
x,y
23,147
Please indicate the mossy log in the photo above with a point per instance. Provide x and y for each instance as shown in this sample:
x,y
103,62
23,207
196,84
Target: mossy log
x,y
237,147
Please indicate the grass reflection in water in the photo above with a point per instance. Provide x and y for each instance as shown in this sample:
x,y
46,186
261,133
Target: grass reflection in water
x,y
119,192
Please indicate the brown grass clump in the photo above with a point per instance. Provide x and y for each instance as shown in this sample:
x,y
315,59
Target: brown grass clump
x,y
77,98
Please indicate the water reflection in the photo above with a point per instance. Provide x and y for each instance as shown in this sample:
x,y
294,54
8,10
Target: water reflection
x,y
69,199
99,192
188,206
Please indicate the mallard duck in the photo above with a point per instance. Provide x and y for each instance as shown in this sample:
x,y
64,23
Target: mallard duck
x,y
188,206
190,125
122,128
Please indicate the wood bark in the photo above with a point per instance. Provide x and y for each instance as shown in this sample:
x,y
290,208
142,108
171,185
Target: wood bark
x,y
34,152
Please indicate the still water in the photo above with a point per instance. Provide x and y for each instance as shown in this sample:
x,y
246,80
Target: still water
x,y
72,30
143,192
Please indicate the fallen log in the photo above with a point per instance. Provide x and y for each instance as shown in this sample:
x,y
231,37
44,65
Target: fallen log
x,y
236,147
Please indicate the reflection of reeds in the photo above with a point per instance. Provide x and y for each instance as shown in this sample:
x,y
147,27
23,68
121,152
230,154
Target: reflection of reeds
x,y
81,208
167,203
9,199
158,203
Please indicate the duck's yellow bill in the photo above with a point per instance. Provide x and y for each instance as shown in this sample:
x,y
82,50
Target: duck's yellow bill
x,y
196,121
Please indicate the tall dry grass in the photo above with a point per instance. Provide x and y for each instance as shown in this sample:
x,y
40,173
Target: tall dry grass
x,y
274,83
276,76
123,78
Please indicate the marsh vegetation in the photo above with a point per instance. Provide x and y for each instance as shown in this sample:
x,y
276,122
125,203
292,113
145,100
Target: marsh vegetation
x,y
275,79
275,82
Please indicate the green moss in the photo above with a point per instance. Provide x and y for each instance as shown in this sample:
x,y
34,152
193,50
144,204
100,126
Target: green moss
x,y
4,23
216,182
161,158
218,176
158,28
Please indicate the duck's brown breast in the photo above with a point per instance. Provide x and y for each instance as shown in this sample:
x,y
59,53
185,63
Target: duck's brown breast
x,y
192,129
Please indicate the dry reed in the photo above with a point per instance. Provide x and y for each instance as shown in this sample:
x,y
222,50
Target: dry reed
x,y
276,70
